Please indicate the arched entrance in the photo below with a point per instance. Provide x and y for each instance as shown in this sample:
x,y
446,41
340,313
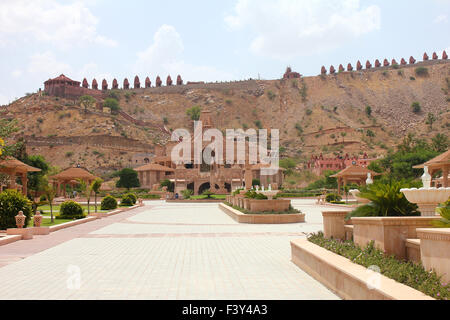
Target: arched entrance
x,y
228,186
203,187
190,186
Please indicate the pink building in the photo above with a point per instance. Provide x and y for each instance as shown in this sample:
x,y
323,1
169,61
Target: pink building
x,y
318,164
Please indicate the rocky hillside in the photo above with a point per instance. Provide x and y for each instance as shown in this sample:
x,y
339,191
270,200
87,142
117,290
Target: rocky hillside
x,y
349,112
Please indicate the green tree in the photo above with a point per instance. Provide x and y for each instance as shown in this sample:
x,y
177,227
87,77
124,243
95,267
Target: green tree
x,y
440,142
288,164
415,106
111,103
34,178
7,127
167,183
194,112
87,101
369,111
128,178
95,187
50,194
87,191
431,118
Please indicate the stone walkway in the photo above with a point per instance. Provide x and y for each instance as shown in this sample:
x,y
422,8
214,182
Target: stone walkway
x,y
163,251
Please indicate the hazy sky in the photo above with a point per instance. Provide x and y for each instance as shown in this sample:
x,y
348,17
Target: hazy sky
x,y
207,40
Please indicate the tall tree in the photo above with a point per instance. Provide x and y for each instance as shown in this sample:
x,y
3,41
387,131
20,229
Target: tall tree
x,y
87,101
95,187
128,178
194,112
34,178
440,142
7,127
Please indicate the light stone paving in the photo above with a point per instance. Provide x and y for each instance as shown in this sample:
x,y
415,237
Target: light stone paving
x,y
171,251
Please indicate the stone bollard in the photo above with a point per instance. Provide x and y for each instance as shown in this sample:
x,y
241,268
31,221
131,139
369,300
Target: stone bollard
x,y
26,233
20,220
37,219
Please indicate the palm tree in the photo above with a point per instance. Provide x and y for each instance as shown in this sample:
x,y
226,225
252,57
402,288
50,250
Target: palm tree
x,y
50,193
87,191
95,187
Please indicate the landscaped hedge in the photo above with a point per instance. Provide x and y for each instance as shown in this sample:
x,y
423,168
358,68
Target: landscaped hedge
x,y
11,202
127,201
132,196
245,211
333,197
109,203
406,272
71,210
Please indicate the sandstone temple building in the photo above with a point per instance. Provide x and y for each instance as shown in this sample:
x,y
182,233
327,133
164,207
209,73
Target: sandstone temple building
x,y
319,164
220,179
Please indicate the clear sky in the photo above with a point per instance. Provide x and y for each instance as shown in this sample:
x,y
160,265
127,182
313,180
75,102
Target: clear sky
x,y
207,40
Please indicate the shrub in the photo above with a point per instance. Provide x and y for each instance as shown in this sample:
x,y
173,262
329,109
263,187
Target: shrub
x,y
132,196
412,78
445,216
169,184
108,203
111,103
415,106
395,66
406,272
42,198
126,201
11,202
71,210
421,71
194,112
187,193
260,196
256,182
386,201
258,124
368,111
208,193
271,95
333,197
308,112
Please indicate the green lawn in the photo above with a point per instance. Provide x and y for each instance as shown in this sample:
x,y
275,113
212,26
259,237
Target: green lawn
x,y
46,209
47,222
214,196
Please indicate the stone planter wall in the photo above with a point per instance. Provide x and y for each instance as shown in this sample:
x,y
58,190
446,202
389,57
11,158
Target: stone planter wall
x,y
262,218
435,250
268,205
413,250
389,233
333,224
348,280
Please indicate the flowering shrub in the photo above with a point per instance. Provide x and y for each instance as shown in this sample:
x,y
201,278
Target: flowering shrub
x,y
406,272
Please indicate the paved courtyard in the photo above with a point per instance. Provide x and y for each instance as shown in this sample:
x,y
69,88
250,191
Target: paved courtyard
x,y
163,251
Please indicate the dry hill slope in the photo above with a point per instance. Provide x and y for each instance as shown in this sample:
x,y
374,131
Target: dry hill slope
x,y
314,114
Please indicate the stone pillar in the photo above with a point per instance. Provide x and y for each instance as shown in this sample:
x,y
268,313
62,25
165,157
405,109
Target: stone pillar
x,y
24,180
435,250
445,176
333,224
248,177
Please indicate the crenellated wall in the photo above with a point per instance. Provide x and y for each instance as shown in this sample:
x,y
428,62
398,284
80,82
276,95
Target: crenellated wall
x,y
378,64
